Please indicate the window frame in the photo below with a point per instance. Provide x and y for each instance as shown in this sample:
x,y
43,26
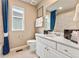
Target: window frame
x,y
22,9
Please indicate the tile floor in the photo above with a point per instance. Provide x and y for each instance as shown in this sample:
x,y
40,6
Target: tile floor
x,y
26,53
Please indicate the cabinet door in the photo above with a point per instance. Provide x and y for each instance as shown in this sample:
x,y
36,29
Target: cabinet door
x,y
47,42
52,53
72,52
44,51
40,49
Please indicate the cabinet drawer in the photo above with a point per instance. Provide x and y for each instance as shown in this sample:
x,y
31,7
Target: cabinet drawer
x,y
71,52
49,43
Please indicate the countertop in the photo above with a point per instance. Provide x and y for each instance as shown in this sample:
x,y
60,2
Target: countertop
x,y
59,39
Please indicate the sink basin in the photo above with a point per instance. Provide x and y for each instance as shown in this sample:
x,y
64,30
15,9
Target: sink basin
x,y
51,35
55,34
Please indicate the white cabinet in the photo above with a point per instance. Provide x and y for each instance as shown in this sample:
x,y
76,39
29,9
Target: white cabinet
x,y
43,49
46,48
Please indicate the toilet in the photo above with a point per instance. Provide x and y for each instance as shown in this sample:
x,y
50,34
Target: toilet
x,y
32,44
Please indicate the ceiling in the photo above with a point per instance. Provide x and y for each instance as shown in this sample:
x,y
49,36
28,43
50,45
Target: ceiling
x,y
33,2
62,5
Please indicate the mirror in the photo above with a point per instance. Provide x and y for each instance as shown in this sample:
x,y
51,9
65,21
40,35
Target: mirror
x,y
65,14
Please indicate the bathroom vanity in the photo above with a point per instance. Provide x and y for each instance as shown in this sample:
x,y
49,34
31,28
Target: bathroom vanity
x,y
53,46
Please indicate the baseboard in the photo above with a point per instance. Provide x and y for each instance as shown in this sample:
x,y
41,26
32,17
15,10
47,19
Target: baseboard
x,y
17,48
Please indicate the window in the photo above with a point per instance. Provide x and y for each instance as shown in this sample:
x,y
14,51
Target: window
x,y
17,19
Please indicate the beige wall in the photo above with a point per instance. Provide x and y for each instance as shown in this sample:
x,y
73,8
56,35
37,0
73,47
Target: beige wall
x,y
64,21
17,39
1,25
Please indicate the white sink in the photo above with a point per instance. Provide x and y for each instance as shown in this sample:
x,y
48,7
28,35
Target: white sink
x,y
51,35
55,34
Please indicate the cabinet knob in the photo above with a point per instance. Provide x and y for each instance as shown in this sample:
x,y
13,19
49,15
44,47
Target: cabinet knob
x,y
47,49
66,50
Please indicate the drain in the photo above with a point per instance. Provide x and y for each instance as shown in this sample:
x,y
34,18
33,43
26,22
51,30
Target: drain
x,y
19,50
